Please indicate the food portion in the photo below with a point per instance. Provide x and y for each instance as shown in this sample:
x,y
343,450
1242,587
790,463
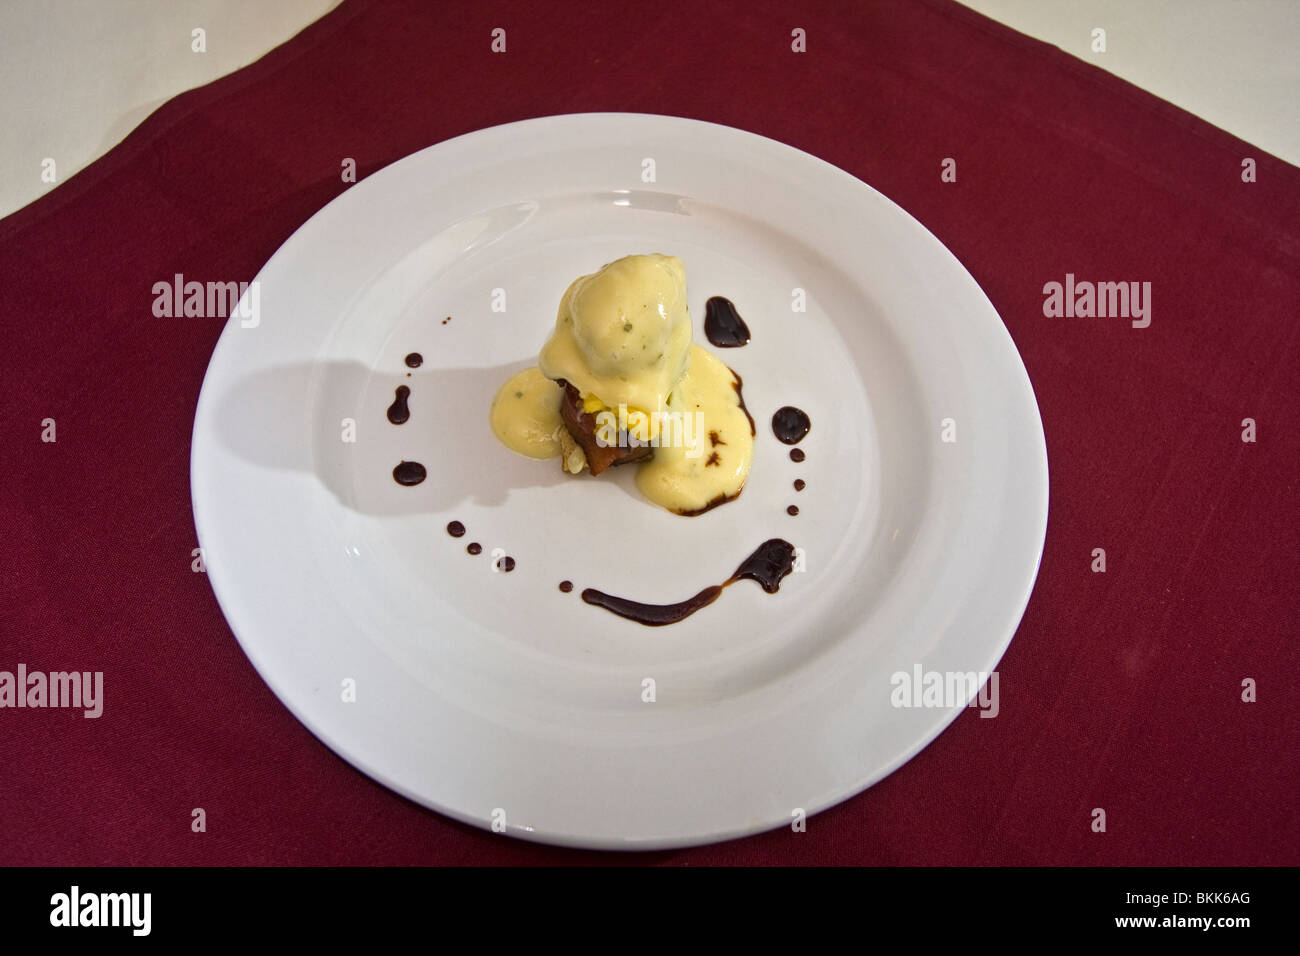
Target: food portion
x,y
620,381
582,428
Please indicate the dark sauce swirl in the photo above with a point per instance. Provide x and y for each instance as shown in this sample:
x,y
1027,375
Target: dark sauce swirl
x,y
652,615
768,565
739,385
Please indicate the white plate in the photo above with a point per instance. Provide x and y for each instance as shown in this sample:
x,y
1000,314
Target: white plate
x,y
481,693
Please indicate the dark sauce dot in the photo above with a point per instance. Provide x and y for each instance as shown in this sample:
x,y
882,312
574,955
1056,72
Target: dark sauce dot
x,y
398,412
507,563
796,454
800,484
792,510
723,325
414,360
566,586
790,424
474,548
409,473
455,529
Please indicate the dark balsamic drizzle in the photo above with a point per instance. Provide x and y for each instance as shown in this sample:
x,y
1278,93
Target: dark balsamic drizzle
x,y
474,548
796,454
768,565
414,360
566,586
455,529
507,563
409,473
721,499
792,510
800,484
723,325
738,385
398,412
790,424
652,615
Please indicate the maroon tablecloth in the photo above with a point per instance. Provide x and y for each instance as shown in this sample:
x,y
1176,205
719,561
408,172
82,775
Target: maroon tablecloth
x,y
1122,690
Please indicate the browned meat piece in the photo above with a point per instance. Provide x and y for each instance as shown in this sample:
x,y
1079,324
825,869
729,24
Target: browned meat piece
x,y
582,426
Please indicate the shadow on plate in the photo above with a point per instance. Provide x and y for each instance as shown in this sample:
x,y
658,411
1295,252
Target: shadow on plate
x,y
296,418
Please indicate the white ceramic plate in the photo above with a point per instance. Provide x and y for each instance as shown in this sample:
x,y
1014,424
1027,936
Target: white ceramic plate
x,y
494,696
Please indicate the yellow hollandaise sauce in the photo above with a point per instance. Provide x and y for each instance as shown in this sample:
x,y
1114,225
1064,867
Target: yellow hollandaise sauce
x,y
623,333
526,414
711,462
